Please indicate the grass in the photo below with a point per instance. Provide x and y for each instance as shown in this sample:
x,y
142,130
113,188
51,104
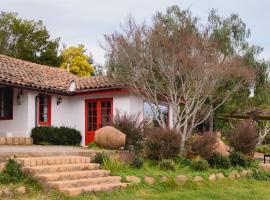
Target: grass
x,y
242,188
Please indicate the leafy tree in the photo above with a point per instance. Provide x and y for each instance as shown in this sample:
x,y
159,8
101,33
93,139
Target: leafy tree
x,y
27,40
176,59
76,61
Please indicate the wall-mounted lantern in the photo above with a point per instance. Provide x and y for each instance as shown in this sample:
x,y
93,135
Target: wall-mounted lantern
x,y
20,97
59,100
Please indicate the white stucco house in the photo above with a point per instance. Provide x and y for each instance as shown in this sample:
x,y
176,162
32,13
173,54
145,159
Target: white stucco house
x,y
36,95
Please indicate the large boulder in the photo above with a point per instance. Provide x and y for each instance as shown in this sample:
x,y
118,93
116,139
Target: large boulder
x,y
220,147
110,137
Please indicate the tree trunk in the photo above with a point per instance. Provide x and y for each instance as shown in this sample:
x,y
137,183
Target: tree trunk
x,y
211,121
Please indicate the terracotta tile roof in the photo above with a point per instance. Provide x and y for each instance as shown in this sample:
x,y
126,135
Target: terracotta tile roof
x,y
30,75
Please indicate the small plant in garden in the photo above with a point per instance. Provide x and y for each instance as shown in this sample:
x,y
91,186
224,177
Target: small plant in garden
x,y
114,164
100,157
167,164
244,137
219,161
204,145
240,159
132,127
260,175
12,173
263,149
182,161
199,165
92,145
162,143
137,163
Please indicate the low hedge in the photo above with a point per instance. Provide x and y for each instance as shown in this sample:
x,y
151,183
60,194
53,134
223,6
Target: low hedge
x,y
56,135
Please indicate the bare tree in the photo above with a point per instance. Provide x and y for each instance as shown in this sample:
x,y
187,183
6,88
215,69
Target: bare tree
x,y
177,64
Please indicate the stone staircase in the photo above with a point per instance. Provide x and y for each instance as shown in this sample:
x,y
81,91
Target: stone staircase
x,y
72,175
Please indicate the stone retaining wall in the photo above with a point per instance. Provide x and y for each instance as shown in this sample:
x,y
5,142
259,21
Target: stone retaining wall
x,y
16,141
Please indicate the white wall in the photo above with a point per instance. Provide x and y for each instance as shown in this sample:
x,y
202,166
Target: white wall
x,y
18,125
70,112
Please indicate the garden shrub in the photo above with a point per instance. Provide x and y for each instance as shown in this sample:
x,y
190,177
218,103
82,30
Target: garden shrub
x,y
12,173
240,159
244,137
204,145
219,161
56,135
263,149
199,165
137,163
167,164
182,161
100,157
132,127
162,143
114,164
260,175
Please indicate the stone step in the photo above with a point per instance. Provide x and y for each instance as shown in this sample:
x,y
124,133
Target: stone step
x,y
71,175
53,160
61,168
58,185
93,188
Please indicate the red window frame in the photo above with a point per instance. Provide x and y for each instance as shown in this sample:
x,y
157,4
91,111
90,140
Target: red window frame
x,y
8,89
48,122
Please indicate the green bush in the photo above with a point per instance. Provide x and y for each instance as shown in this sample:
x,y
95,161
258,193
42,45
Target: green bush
x,y
182,161
162,143
243,138
137,163
133,129
260,175
219,161
56,135
114,164
12,173
199,165
240,159
167,164
100,158
263,149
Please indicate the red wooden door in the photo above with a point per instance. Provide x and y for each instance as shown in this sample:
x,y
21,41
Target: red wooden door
x,y
98,113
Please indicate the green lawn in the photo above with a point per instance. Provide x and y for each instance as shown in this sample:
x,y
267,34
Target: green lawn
x,y
223,189
226,189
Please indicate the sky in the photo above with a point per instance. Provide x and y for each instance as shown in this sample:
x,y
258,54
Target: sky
x,y
87,21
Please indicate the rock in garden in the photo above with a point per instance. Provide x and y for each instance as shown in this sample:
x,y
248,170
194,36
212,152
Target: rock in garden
x,y
163,178
234,175
180,180
7,192
110,137
244,173
220,175
198,179
250,172
133,179
21,190
212,177
149,180
221,148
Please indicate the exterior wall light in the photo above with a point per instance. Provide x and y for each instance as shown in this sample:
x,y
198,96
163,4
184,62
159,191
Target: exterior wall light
x,y
59,100
20,97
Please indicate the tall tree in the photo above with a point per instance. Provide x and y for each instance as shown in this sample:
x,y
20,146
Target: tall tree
x,y
27,40
76,61
176,61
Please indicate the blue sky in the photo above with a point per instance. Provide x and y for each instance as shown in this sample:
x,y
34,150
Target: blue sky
x,y
86,21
